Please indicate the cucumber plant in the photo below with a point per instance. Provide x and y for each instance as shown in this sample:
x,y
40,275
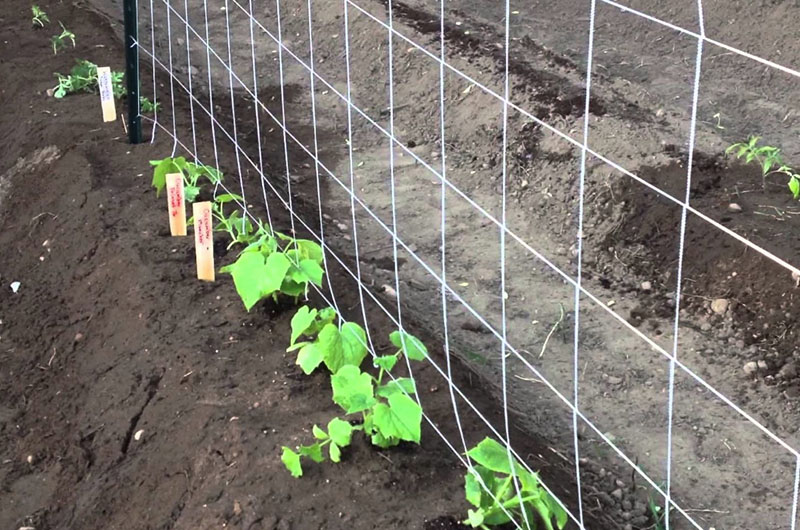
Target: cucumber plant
x,y
193,175
60,41
388,413
770,160
272,264
40,18
489,487
148,107
83,78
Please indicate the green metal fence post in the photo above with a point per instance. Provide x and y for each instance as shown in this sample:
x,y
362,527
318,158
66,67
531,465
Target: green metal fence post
x,y
130,9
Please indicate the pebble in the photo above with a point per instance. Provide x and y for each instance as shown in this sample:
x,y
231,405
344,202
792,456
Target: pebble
x,y
646,286
138,435
617,493
762,365
733,207
614,380
389,291
78,337
788,371
750,368
720,306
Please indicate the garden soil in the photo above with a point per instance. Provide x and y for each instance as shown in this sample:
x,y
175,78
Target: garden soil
x,y
112,300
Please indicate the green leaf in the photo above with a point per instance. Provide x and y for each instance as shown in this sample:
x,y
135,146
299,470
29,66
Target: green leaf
x,y
794,186
227,197
309,357
162,167
309,250
559,512
401,385
190,192
248,276
319,434
276,266
491,455
314,452
354,341
401,418
474,518
352,389
312,271
256,278
330,344
335,453
340,432
473,490
301,321
291,460
386,362
409,344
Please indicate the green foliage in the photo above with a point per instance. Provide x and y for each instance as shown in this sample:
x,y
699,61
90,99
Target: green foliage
x,y
656,513
60,41
769,159
193,175
388,413
83,78
332,345
40,18
148,107
489,487
271,263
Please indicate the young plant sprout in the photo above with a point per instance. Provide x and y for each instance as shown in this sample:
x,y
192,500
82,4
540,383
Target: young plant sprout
x,y
40,18
83,78
769,159
148,107
60,41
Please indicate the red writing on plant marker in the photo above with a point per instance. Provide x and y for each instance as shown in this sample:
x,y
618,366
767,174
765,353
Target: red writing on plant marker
x,y
204,230
176,204
203,240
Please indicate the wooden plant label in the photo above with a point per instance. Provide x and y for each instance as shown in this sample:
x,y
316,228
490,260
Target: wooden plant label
x,y
106,93
176,204
203,240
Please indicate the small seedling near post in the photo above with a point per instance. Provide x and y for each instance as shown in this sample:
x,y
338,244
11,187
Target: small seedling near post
x,y
60,41
40,18
148,107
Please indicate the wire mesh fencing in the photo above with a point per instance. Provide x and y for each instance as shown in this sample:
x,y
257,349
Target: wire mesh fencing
x,y
472,182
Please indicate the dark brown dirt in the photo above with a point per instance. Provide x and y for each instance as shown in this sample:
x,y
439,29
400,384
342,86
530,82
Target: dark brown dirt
x,y
134,396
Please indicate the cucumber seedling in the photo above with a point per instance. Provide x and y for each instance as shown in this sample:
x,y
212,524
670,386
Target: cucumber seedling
x,y
770,160
388,413
83,78
272,264
490,488
148,107
60,41
40,18
193,175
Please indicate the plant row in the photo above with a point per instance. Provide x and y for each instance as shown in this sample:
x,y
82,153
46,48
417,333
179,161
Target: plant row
x,y
375,401
83,76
